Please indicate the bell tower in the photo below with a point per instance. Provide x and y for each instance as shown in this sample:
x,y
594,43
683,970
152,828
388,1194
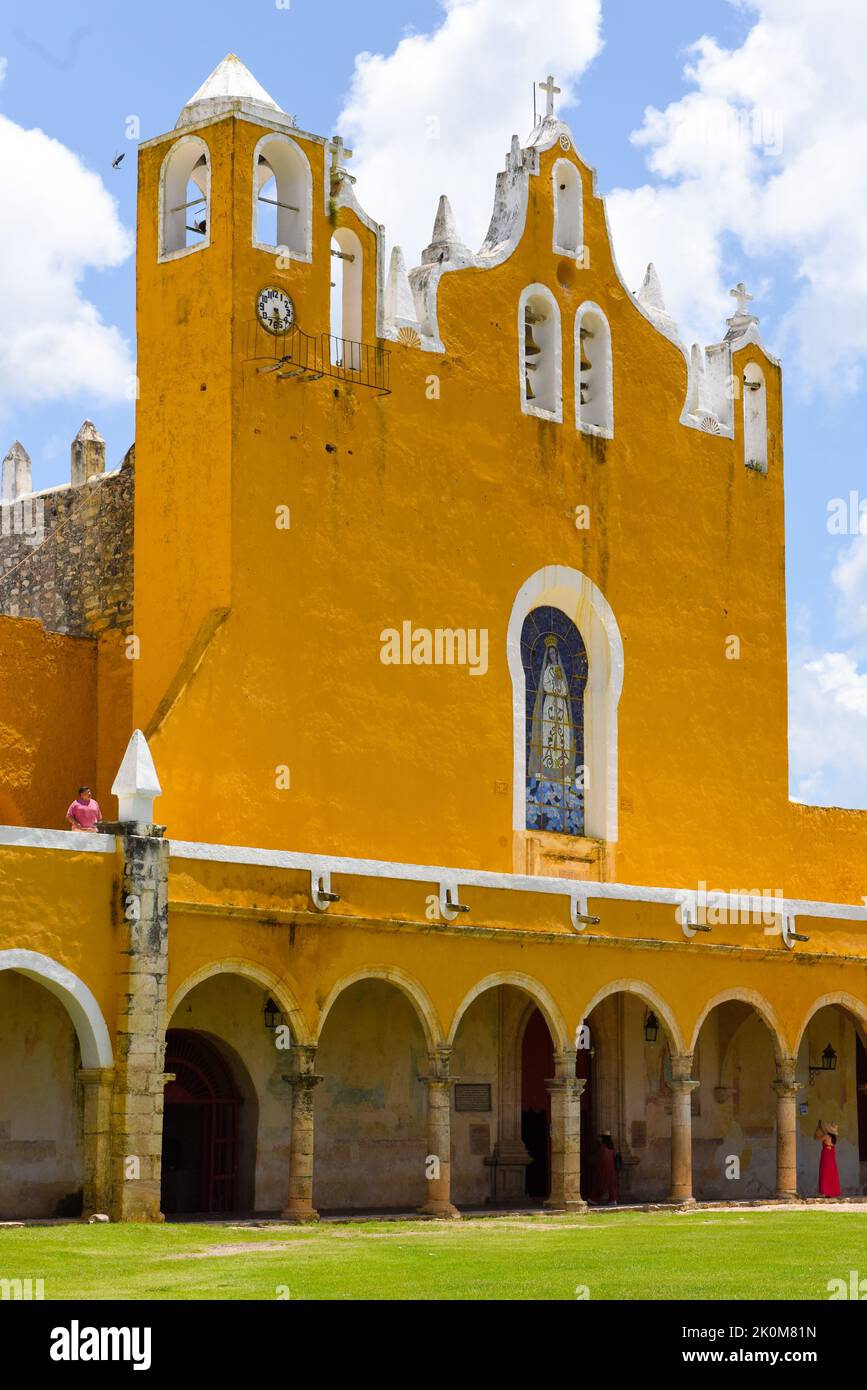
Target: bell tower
x,y
243,233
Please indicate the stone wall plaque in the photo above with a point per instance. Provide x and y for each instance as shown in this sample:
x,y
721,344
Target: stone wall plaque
x,y
473,1096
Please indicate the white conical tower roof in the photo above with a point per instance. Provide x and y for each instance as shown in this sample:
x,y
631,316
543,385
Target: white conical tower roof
x,y
136,783
230,87
446,244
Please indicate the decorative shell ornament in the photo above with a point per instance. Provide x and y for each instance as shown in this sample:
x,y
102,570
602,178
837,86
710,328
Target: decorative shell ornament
x,y
710,424
409,337
565,142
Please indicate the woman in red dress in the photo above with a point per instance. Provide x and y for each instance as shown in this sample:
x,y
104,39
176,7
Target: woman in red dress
x,y
829,1178
605,1174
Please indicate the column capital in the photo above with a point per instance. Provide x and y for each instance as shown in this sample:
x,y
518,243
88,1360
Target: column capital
x,y
681,1066
302,1080
302,1057
787,1090
570,1086
439,1060
683,1085
786,1067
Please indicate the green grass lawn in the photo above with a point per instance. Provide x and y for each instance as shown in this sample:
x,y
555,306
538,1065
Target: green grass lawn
x,y
703,1254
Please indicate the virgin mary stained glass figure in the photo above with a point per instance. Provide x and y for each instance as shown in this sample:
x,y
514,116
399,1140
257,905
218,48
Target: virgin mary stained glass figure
x,y
555,668
552,747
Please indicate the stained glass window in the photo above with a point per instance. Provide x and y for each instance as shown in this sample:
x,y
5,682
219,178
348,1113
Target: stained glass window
x,y
555,676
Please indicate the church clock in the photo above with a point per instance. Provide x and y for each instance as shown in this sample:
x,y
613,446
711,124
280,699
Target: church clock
x,y
275,309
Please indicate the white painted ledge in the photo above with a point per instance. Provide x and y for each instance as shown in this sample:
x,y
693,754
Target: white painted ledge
x,y
78,840
520,883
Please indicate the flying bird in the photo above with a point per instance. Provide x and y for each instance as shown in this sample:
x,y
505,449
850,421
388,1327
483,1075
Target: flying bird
x,y
118,160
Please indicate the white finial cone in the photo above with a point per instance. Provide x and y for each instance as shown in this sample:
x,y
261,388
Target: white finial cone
x,y
136,783
89,431
650,294
445,227
399,302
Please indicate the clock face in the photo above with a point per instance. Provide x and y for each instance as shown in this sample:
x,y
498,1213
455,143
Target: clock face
x,y
275,309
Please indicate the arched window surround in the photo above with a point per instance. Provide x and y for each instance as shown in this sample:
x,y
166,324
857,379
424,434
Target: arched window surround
x,y
292,165
555,345
755,394
568,235
600,356
175,173
558,586
349,277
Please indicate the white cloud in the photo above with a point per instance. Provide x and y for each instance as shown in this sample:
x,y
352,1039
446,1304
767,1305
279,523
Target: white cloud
x,y
828,734
57,221
850,578
767,149
435,116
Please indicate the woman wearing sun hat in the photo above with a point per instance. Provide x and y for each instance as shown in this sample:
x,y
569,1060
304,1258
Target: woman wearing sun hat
x,y
829,1178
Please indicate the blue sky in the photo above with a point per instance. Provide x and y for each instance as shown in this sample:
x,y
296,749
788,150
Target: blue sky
x,y
707,217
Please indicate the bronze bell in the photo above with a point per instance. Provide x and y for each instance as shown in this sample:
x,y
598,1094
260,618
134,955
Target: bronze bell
x,y
531,394
531,347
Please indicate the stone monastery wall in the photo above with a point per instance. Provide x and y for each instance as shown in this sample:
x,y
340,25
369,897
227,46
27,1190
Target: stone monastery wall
x,y
66,554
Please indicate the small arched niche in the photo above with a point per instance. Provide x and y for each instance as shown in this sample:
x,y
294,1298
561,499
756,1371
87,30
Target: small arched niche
x,y
282,198
755,418
568,218
185,198
594,379
347,282
540,354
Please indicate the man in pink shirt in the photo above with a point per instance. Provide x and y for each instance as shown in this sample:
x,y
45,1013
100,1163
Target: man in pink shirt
x,y
84,812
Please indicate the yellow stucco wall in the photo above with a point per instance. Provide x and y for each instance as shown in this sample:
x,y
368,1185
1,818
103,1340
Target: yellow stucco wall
x,y
48,722
436,511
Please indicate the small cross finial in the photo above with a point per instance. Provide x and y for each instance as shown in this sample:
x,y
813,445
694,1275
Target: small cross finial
x,y
550,91
339,152
742,295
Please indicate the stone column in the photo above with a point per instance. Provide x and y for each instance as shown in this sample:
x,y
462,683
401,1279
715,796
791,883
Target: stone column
x,y
439,1137
787,1089
142,963
681,1087
303,1081
96,1085
565,1092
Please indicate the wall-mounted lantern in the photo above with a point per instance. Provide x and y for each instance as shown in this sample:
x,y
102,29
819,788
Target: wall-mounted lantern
x,y
272,1015
651,1027
828,1063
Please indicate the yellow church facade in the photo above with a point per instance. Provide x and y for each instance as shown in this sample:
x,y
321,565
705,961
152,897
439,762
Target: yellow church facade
x,y
453,829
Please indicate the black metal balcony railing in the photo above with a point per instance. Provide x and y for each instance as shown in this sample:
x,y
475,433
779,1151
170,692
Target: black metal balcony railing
x,y
299,356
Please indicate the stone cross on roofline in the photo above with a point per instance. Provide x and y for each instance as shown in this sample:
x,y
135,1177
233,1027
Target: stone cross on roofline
x,y
338,153
741,319
550,92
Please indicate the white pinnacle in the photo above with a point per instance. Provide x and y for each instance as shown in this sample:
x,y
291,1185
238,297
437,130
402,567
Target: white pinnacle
x,y
399,302
446,244
650,294
231,86
17,476
136,783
